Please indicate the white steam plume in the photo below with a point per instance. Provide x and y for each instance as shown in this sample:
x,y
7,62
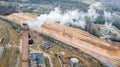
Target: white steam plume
x,y
93,11
70,17
73,17
108,19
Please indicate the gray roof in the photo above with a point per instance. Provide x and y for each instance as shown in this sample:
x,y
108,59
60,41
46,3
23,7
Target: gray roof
x,y
37,57
46,45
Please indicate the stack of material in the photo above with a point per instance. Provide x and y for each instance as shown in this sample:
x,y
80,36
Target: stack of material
x,y
21,17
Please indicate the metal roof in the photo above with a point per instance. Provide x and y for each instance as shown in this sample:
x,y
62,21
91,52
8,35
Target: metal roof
x,y
37,57
46,45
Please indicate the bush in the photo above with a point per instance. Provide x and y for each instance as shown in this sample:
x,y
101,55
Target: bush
x,y
100,20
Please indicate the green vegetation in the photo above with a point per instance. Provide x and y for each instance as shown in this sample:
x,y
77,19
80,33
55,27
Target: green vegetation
x,y
117,24
9,33
47,62
9,58
57,47
56,62
100,20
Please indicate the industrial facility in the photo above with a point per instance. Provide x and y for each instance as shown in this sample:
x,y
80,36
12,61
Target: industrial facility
x,y
59,33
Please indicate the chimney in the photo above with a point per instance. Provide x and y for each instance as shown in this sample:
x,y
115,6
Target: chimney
x,y
25,45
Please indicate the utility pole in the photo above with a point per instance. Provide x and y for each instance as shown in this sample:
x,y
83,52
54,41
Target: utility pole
x,y
25,45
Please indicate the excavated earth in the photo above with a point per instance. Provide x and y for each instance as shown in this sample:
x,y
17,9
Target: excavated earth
x,y
90,44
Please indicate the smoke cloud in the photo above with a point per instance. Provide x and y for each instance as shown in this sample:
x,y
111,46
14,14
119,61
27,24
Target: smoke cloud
x,y
108,19
93,11
73,17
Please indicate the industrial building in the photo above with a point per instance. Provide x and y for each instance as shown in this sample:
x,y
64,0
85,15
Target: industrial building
x,y
46,45
37,60
107,33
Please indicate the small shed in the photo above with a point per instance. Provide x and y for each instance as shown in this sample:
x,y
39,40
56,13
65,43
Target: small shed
x,y
47,45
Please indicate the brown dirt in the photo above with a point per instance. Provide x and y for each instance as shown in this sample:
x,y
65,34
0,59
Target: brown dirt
x,y
78,34
20,17
74,37
82,40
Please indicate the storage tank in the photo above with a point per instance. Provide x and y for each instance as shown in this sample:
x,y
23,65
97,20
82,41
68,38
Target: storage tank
x,y
74,62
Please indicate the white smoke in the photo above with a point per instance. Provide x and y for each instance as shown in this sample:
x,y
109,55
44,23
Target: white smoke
x,y
73,17
108,19
93,11
69,17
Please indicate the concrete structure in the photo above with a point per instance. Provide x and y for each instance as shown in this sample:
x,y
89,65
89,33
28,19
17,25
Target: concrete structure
x,y
37,60
25,46
2,50
107,33
74,62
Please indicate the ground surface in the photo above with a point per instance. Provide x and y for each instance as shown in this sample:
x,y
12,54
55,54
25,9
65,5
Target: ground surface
x,y
21,17
82,40
85,60
11,52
